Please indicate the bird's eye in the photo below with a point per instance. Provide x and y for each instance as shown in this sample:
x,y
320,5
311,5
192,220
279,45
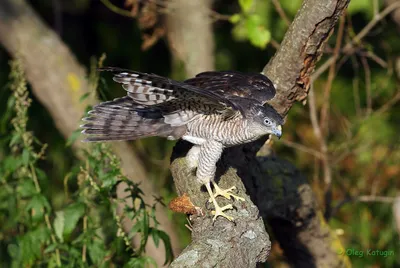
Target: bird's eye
x,y
267,122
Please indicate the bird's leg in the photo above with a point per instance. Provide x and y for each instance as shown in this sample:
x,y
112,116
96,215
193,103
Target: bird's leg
x,y
192,157
227,193
210,152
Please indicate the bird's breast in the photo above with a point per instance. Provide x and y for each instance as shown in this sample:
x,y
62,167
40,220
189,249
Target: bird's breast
x,y
214,127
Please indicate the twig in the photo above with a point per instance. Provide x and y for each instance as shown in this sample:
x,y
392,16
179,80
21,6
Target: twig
x,y
390,103
376,58
363,198
116,9
281,12
374,198
53,238
349,46
275,44
302,148
84,248
326,104
375,181
215,16
356,86
313,112
57,16
367,71
375,5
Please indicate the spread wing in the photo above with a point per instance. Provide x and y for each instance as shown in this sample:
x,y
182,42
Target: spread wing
x,y
234,85
157,91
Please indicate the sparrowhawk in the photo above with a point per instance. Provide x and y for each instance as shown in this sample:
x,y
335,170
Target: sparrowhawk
x,y
213,110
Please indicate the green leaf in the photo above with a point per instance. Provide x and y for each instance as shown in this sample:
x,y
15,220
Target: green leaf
x,y
74,136
97,251
292,6
84,96
13,251
235,18
155,236
59,225
26,188
25,157
15,139
72,215
169,255
38,204
145,225
12,163
258,35
245,5
136,228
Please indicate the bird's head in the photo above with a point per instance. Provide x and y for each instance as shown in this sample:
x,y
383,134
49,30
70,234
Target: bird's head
x,y
266,120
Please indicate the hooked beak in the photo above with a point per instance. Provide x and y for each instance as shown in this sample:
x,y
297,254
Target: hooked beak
x,y
278,131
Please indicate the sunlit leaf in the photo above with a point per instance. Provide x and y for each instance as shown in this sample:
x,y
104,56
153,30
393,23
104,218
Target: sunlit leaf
x,y
257,34
291,6
235,18
245,5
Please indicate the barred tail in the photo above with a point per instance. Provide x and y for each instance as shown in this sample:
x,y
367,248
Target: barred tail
x,y
122,119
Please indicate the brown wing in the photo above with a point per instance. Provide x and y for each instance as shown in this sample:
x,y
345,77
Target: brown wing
x,y
232,84
151,89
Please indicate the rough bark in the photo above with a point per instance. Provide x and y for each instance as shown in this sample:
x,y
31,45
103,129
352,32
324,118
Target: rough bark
x,y
301,49
282,195
222,243
59,81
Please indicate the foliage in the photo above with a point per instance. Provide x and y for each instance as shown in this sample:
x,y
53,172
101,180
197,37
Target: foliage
x,y
250,24
84,229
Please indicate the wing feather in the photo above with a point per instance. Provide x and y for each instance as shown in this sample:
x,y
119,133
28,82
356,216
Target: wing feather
x,y
141,86
236,84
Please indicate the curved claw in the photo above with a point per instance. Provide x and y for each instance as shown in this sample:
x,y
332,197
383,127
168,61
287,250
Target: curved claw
x,y
227,193
219,211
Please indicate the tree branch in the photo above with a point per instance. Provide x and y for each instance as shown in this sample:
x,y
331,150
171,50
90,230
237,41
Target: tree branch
x,y
300,50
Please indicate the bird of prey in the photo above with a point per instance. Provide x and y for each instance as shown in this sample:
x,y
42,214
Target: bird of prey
x,y
213,110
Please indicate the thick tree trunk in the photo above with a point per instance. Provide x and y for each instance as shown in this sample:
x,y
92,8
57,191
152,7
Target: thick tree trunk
x,y
59,81
282,195
190,35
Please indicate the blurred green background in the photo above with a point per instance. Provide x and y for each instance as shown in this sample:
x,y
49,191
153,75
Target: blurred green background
x,y
363,141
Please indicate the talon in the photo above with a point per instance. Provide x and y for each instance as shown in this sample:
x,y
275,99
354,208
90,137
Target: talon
x,y
219,211
225,193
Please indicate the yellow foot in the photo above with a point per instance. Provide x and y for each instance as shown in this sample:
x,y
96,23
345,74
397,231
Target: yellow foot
x,y
227,193
219,211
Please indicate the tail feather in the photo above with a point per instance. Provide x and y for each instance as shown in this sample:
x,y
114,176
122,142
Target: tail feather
x,y
122,119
